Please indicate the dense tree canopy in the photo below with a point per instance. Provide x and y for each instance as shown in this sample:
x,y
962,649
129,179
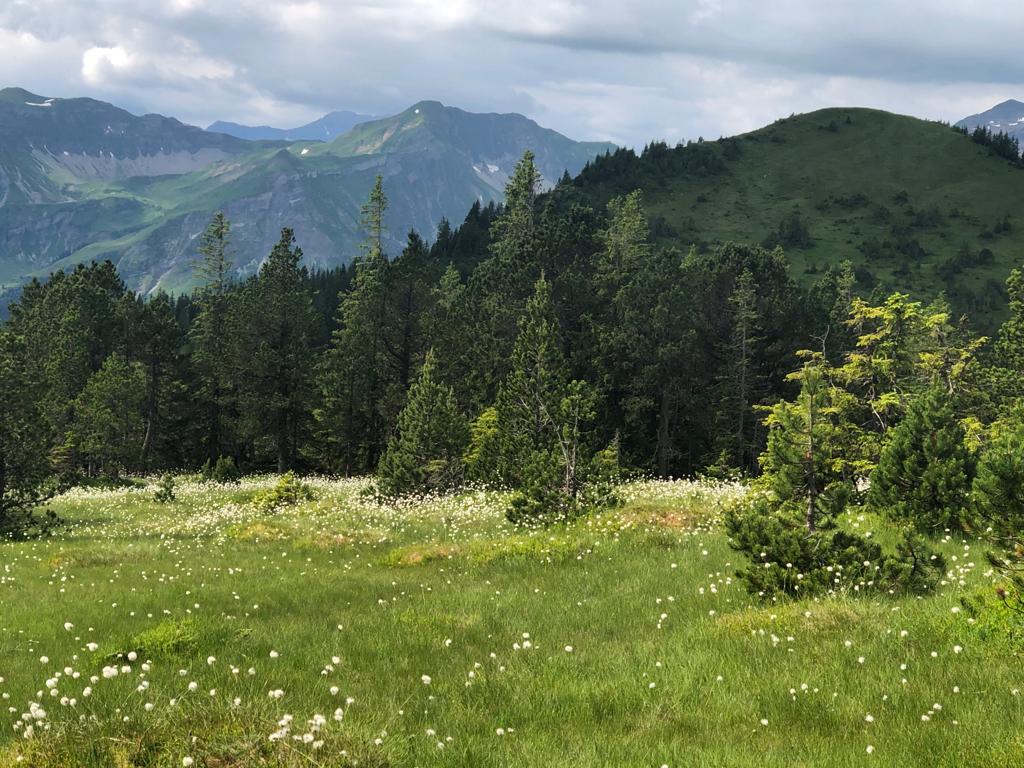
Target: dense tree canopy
x,y
568,345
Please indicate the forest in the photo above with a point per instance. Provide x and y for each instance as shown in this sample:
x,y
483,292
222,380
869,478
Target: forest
x,y
546,348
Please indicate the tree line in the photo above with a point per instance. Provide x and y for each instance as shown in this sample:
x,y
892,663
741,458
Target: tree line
x,y
545,347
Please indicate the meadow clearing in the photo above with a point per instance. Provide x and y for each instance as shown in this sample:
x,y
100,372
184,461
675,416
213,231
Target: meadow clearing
x,y
338,632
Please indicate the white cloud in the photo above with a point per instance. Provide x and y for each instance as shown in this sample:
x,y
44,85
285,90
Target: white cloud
x,y
99,62
590,68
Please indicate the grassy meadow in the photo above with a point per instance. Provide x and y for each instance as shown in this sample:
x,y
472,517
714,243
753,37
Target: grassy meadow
x,y
342,632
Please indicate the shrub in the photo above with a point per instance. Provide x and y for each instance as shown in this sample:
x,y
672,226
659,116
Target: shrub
x,y
925,469
223,471
999,485
165,490
287,492
788,560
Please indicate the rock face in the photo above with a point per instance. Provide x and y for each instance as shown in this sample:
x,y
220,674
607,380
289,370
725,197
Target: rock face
x,y
1007,117
80,179
49,146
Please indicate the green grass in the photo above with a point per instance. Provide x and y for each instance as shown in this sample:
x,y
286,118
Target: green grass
x,y
671,662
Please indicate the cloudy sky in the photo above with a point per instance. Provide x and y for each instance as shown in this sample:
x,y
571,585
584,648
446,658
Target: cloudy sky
x,y
627,71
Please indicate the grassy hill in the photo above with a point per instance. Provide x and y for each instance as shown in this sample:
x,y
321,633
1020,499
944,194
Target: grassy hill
x,y
435,634
914,205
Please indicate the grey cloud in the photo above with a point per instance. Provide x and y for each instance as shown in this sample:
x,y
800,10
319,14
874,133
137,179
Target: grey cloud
x,y
626,71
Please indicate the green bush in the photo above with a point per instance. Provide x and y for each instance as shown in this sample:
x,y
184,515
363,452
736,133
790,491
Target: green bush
x,y
165,490
224,471
785,559
287,492
925,470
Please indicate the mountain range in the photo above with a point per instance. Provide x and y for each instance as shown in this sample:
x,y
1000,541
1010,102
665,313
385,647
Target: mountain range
x,y
326,128
1007,117
81,179
912,204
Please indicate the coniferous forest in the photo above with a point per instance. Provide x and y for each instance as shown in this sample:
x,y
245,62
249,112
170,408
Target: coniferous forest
x,y
544,347
546,367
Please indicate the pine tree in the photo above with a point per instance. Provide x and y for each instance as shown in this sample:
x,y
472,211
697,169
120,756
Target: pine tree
x,y
800,462
373,211
209,335
998,488
789,532
156,345
529,400
425,454
350,421
108,428
499,287
925,470
275,325
24,440
541,420
740,380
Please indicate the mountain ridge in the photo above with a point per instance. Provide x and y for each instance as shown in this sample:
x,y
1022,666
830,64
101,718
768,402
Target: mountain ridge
x,y
97,204
325,128
1006,117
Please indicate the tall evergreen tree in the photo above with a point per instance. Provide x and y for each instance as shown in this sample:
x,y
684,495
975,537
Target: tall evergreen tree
x,y
108,430
24,440
350,420
209,336
541,423
500,286
425,453
276,325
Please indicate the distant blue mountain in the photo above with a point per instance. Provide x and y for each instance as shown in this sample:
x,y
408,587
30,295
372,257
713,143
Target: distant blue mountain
x,y
326,128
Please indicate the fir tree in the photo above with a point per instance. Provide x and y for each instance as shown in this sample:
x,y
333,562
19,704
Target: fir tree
x,y
425,454
529,400
209,336
925,470
999,485
541,420
24,440
350,422
275,324
108,429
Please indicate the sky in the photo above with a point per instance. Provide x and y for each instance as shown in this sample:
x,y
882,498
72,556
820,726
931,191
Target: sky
x,y
627,72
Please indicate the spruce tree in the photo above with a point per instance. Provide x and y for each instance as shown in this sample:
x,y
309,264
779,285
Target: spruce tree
x,y
24,440
925,469
800,462
425,454
499,287
790,531
999,485
351,380
210,339
108,430
542,419
275,326
529,400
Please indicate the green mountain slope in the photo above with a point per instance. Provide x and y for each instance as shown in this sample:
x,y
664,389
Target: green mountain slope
x,y
914,205
436,161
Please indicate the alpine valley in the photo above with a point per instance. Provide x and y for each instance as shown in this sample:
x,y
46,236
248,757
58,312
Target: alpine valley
x,y
83,180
